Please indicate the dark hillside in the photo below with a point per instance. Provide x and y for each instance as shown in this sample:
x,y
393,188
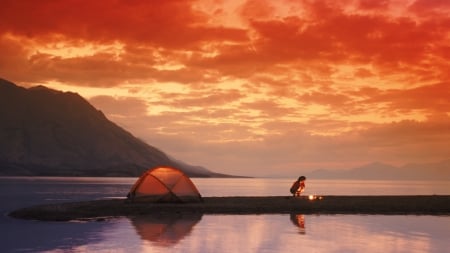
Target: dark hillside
x,y
45,132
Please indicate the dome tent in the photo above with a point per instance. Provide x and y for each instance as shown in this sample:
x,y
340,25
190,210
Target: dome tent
x,y
164,184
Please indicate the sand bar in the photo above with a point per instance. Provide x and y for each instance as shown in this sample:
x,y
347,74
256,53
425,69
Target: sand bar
x,y
415,205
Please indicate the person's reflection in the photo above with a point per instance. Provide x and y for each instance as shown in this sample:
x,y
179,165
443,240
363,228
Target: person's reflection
x,y
165,229
299,221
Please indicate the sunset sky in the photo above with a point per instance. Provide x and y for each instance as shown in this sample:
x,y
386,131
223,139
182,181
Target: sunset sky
x,y
259,88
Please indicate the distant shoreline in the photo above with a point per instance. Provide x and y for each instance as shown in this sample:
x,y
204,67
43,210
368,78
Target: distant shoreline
x,y
388,205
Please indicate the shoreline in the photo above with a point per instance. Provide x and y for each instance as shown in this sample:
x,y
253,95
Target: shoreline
x,y
96,209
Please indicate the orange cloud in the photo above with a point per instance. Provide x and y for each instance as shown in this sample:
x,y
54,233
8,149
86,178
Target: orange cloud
x,y
224,83
172,24
433,98
431,8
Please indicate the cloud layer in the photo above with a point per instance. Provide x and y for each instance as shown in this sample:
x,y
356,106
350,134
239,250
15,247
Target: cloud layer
x,y
271,88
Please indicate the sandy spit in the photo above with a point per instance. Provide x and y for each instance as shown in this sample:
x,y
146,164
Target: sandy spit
x,y
96,209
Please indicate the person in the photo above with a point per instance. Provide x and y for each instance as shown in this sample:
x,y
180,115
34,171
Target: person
x,y
298,186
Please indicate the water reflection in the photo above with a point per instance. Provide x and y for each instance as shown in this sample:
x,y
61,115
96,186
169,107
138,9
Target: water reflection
x,y
299,221
165,229
47,236
264,233
220,233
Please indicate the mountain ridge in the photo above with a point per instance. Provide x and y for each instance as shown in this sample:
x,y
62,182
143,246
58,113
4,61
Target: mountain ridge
x,y
382,171
45,132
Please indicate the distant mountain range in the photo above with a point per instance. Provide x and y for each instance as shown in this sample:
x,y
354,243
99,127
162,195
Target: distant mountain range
x,y
44,132
381,171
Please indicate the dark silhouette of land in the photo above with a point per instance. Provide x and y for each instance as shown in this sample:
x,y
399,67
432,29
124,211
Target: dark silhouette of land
x,y
44,132
101,209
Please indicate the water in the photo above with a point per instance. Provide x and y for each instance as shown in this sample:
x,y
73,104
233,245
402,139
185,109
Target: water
x,y
220,233
280,187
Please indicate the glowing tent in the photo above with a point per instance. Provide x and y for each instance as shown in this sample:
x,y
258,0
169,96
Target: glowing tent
x,y
164,184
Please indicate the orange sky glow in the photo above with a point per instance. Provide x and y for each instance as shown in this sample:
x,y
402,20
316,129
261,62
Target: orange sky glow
x,y
257,87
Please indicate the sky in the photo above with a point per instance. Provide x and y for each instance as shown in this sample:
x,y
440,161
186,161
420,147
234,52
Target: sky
x,y
258,87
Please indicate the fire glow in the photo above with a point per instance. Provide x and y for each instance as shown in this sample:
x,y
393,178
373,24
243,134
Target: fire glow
x,y
314,197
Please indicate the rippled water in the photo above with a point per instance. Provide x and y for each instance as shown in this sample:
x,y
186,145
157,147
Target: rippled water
x,y
220,233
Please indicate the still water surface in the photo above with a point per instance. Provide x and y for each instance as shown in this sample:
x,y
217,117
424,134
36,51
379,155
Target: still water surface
x,y
220,233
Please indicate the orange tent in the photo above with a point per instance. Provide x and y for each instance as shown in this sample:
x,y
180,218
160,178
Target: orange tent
x,y
164,184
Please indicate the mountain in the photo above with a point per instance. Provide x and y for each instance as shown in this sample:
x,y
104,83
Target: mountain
x,y
428,171
381,171
44,132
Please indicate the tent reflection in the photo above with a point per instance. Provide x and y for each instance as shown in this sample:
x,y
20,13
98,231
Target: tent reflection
x,y
165,229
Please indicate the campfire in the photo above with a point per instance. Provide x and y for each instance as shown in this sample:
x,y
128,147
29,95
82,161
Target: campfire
x,y
314,197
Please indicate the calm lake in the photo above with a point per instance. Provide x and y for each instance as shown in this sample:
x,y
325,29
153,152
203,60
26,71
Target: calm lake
x,y
221,233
